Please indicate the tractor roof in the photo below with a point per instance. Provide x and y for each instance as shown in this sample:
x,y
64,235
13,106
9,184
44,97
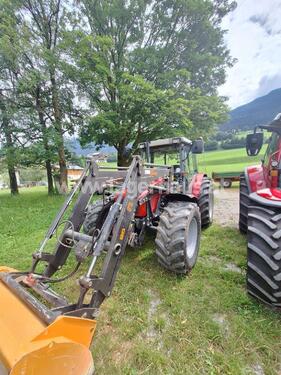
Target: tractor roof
x,y
167,144
274,125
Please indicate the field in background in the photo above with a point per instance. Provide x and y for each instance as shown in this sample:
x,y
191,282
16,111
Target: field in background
x,y
227,160
155,322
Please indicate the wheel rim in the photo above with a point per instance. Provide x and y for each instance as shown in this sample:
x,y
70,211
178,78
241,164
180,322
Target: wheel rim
x,y
191,240
226,184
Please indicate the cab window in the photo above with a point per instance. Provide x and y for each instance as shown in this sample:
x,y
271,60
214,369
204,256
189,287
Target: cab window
x,y
272,147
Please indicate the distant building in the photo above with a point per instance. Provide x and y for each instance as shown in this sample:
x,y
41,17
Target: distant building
x,y
74,172
100,157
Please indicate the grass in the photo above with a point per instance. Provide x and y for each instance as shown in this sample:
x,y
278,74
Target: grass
x,y
227,160
154,322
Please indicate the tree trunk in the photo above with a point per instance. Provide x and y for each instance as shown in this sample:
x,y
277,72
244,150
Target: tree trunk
x,y
48,165
123,160
60,143
63,169
13,179
10,154
42,122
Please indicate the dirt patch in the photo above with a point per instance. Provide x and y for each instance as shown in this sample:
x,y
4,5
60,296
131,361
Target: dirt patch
x,y
154,303
232,267
123,352
221,320
226,210
257,369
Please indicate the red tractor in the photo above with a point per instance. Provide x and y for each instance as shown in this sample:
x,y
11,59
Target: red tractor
x,y
176,205
260,215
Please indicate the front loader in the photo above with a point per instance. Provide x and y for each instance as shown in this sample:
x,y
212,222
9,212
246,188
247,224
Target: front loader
x,y
41,332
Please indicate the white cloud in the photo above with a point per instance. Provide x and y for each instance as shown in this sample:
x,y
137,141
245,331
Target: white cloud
x,y
254,38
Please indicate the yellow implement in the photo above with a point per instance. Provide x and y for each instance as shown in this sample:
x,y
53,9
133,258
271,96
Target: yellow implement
x,y
28,346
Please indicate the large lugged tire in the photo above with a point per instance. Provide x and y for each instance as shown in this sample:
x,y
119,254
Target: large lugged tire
x,y
93,212
178,237
264,254
244,204
206,202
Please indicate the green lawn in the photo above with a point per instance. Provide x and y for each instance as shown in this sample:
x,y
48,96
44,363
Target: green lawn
x,y
227,160
155,322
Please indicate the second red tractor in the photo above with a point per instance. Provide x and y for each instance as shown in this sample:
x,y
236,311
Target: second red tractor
x,y
260,215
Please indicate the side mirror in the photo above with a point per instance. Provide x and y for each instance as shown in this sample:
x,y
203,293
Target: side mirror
x,y
198,146
254,143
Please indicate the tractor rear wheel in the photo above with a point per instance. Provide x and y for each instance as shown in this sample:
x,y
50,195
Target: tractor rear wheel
x,y
264,254
206,202
244,204
178,237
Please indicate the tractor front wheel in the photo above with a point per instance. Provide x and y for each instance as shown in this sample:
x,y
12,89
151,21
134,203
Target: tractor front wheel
x,y
178,237
95,216
264,254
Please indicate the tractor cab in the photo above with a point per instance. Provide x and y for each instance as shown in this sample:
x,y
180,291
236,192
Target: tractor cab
x,y
180,152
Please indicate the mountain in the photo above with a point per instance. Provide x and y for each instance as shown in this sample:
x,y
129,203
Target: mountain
x,y
74,146
258,112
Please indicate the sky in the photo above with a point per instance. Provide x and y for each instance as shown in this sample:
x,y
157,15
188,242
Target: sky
x,y
254,38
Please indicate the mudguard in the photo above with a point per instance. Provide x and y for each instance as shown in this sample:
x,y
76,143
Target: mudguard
x,y
255,178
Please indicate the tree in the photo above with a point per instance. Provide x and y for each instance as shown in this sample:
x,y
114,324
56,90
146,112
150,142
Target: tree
x,y
8,77
22,79
142,113
149,68
9,146
44,21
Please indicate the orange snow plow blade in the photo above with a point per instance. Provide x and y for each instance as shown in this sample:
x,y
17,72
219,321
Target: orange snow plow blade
x,y
29,346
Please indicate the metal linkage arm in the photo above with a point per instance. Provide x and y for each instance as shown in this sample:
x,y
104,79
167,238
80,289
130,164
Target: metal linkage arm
x,y
125,207
77,217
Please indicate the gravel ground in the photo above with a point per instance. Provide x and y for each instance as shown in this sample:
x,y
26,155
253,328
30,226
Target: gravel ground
x,y
226,211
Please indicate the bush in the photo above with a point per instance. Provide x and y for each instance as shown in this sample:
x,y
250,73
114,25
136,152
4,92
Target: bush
x,y
222,136
234,142
112,158
211,146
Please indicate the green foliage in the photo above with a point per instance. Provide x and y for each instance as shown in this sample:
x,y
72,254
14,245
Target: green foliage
x,y
112,158
211,146
142,112
118,72
149,69
32,175
234,142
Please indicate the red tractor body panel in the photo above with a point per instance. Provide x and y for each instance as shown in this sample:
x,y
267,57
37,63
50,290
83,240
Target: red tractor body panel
x,y
256,178
141,212
271,194
196,184
263,182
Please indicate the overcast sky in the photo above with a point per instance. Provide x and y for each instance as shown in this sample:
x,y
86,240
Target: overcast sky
x,y
254,38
